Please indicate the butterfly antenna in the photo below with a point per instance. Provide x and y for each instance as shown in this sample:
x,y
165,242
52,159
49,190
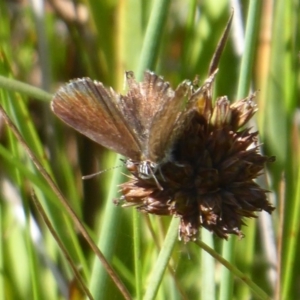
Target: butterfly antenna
x,y
155,179
85,177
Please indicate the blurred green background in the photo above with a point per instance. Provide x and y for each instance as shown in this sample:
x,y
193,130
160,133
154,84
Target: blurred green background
x,y
45,44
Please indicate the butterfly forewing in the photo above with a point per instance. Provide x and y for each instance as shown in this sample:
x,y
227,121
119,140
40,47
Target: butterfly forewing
x,y
147,105
146,98
142,124
175,115
165,127
94,111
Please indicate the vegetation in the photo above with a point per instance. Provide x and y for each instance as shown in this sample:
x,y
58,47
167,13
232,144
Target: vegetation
x,y
45,48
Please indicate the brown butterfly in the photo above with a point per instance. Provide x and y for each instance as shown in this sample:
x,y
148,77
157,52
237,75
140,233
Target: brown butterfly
x,y
141,125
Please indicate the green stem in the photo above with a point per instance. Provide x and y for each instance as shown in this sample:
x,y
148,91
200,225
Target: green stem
x,y
24,88
153,36
249,48
160,266
256,289
137,254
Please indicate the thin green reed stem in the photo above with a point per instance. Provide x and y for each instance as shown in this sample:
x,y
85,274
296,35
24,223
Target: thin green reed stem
x,y
149,53
137,254
147,60
107,239
256,289
161,264
2,265
153,36
226,282
243,87
208,268
249,49
293,233
26,89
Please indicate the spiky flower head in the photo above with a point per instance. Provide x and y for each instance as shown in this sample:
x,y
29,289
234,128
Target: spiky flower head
x,y
209,179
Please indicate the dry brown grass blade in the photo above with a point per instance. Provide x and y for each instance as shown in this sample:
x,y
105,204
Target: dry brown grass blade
x,y
220,47
61,245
